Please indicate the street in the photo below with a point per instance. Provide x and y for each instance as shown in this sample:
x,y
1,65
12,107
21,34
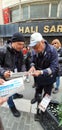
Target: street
x,y
26,121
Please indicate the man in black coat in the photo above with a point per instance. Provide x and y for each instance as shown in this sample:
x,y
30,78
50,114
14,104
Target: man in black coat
x,y
11,60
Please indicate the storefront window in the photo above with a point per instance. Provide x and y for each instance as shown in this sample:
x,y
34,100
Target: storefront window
x,y
39,11
54,10
60,10
32,11
15,14
25,12
60,14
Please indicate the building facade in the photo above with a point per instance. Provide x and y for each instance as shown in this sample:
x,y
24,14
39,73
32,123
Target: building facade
x,y
29,16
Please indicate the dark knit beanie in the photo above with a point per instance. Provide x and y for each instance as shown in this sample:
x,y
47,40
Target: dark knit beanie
x,y
17,37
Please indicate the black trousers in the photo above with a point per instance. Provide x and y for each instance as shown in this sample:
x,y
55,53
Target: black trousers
x,y
46,88
44,83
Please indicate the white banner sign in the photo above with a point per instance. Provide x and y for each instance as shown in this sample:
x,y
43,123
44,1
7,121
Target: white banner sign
x,y
11,87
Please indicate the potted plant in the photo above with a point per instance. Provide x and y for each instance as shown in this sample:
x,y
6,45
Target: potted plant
x,y
51,119
59,111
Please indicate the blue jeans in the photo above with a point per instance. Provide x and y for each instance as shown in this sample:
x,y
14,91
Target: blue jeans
x,y
10,101
57,82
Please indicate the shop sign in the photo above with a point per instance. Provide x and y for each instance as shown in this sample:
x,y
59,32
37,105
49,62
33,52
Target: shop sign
x,y
28,29
46,27
52,28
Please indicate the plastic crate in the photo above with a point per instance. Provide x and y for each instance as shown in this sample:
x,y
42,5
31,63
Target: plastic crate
x,y
49,118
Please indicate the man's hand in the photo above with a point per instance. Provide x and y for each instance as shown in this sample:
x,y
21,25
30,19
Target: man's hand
x,y
1,81
31,70
36,73
3,99
7,74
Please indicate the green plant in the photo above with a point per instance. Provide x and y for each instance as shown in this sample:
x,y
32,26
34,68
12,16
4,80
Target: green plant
x,y
59,111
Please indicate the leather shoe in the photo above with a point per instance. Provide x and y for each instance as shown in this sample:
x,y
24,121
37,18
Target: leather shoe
x,y
17,96
14,111
33,100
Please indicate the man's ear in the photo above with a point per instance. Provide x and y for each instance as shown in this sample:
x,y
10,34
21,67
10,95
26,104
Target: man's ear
x,y
42,41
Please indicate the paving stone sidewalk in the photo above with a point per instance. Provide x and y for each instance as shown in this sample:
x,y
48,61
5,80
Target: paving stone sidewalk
x,y
25,122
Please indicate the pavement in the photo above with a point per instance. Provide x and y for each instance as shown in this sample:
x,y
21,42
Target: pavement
x,y
26,120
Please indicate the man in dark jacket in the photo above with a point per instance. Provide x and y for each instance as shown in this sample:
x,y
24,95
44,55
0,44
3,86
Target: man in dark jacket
x,y
11,60
45,66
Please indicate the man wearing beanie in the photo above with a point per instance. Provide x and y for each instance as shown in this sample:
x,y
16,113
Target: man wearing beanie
x,y
11,60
